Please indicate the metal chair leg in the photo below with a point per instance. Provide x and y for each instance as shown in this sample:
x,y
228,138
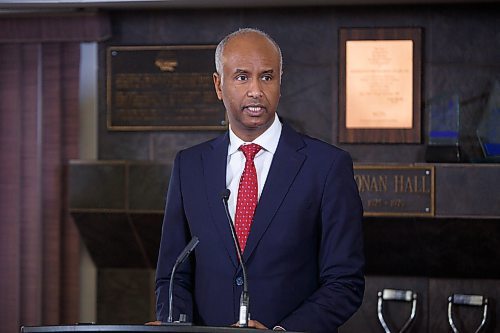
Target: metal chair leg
x,y
396,295
468,300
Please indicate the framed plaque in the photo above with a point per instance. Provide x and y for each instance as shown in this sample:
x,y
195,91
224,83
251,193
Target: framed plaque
x,y
396,190
380,85
162,88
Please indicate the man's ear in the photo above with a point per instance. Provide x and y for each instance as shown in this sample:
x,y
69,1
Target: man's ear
x,y
217,85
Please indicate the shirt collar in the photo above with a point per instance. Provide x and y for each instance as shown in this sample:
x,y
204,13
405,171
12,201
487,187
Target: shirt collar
x,y
267,140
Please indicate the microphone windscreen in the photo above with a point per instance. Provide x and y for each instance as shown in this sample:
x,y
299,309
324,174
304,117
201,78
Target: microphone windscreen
x,y
225,194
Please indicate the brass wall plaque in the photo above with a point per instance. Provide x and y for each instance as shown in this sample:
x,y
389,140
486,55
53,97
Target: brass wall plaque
x,y
380,85
162,88
396,190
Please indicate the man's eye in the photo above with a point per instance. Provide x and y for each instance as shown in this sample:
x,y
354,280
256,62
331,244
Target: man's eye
x,y
267,77
241,78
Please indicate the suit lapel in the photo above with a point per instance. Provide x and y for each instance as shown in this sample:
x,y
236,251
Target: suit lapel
x,y
214,168
284,168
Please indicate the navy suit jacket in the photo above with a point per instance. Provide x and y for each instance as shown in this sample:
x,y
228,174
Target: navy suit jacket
x,y
304,254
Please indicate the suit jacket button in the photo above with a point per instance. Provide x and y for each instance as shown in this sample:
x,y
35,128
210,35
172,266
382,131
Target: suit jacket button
x,y
239,281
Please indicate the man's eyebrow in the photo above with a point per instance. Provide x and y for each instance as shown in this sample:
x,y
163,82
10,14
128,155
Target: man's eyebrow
x,y
239,70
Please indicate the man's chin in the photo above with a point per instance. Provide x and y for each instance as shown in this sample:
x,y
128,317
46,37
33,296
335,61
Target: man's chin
x,y
258,126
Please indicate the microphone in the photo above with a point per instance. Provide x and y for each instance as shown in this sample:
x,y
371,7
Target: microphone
x,y
180,259
245,298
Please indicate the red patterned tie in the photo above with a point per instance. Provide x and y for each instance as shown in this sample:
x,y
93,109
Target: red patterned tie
x,y
247,195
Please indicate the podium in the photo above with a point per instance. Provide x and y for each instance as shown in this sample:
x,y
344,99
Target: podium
x,y
138,329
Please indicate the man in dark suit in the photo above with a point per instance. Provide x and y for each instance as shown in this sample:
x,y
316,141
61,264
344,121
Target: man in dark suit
x,y
295,206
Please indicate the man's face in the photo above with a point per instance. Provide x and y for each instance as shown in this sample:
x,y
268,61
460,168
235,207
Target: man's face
x,y
250,84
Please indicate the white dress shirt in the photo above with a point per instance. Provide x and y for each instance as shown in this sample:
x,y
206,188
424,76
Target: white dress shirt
x,y
236,160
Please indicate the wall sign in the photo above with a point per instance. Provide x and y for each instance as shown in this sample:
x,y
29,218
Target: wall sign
x,y
379,92
162,88
396,190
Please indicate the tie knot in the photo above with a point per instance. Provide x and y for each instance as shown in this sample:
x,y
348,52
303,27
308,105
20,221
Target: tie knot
x,y
250,150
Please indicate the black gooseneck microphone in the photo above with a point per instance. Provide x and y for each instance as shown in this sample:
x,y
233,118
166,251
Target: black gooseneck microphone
x,y
180,259
245,298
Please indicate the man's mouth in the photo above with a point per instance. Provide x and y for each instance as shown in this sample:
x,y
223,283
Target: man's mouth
x,y
254,109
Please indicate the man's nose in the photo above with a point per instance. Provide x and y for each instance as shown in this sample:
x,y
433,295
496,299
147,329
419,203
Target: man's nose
x,y
255,89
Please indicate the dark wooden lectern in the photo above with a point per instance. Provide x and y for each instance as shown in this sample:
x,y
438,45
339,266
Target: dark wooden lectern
x,y
138,329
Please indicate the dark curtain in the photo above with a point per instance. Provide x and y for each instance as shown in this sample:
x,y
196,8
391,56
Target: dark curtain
x,y
39,243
